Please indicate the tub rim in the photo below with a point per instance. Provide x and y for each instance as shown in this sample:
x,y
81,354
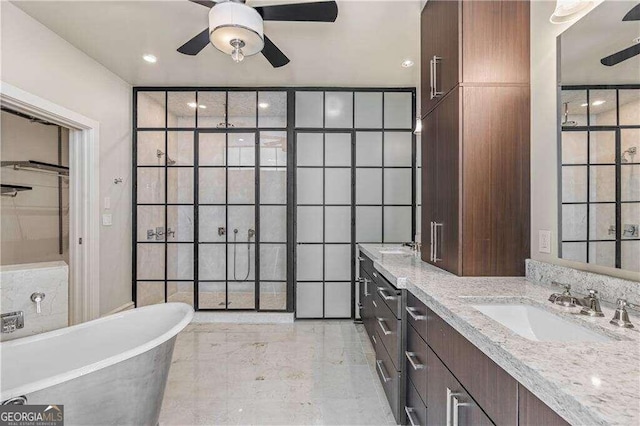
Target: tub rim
x,y
38,385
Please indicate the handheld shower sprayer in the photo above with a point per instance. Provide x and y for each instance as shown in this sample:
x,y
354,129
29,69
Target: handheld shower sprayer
x,y
250,234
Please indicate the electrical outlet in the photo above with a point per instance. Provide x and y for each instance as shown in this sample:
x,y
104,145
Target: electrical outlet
x,y
107,219
544,241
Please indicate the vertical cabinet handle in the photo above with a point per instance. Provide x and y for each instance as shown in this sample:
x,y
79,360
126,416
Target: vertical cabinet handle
x,y
432,243
366,287
436,242
409,412
431,96
434,74
381,370
453,408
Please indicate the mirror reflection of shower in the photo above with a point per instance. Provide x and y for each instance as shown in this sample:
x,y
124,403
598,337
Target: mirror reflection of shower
x,y
631,152
250,234
566,122
170,162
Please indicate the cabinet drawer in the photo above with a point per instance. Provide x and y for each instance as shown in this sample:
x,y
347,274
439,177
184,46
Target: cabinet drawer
x,y
366,263
416,362
387,293
492,387
389,378
388,328
417,315
415,409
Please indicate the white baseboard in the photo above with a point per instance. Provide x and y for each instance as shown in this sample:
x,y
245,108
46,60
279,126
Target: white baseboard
x,y
125,307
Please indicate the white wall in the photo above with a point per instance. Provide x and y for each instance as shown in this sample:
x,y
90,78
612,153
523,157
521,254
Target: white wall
x,y
40,62
544,176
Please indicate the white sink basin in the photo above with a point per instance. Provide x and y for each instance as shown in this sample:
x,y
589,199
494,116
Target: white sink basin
x,y
538,324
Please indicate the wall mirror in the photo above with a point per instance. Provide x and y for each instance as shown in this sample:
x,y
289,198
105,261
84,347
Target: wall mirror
x,y
599,137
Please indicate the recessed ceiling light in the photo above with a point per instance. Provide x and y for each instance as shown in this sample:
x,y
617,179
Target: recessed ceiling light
x,y
192,104
150,58
263,105
407,63
596,103
202,106
584,104
240,140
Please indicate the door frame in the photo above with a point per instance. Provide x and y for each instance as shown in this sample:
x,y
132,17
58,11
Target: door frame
x,y
84,196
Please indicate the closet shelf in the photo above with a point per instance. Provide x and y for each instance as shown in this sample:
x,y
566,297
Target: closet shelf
x,y
12,190
37,166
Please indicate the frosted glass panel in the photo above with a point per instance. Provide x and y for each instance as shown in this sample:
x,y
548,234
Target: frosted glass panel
x,y
181,110
574,251
273,185
273,295
242,109
211,218
272,109
151,109
603,147
630,215
150,261
309,224
179,261
338,149
180,185
368,110
243,256
574,184
630,182
574,222
151,185
242,149
273,223
211,261
338,224
309,149
241,218
309,300
181,291
309,109
241,295
630,255
309,264
337,300
369,149
602,185
368,186
629,100
397,110
397,186
241,186
212,186
397,149
576,103
603,253
149,143
212,295
273,149
338,109
338,190
397,224
180,148
273,262
602,221
368,224
211,112
149,218
149,293
337,260
309,186
212,149
602,109
574,148
179,223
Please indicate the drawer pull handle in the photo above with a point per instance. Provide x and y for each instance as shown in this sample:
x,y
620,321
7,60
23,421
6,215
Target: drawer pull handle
x,y
452,408
384,329
373,337
409,412
375,305
410,357
375,275
412,312
361,259
384,295
381,370
456,410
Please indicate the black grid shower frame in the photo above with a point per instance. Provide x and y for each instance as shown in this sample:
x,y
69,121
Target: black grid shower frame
x,y
588,129
354,130
291,170
196,130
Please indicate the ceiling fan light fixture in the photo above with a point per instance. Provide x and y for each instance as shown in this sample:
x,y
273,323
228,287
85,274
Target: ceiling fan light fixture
x,y
569,10
236,29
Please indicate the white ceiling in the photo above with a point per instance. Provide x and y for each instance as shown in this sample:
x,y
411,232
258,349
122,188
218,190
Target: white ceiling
x,y
597,35
364,47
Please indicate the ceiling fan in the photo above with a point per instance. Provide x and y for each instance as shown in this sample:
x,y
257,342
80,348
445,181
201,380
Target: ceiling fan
x,y
629,52
238,30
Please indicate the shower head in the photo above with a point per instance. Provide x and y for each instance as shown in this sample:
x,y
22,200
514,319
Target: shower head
x,y
170,162
632,153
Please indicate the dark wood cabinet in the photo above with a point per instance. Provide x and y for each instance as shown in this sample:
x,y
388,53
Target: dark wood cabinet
x,y
475,156
534,412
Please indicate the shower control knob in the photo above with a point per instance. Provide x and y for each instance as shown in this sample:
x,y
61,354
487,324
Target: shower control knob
x,y
37,298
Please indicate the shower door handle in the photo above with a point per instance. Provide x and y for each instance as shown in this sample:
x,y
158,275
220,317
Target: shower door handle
x,y
435,93
436,225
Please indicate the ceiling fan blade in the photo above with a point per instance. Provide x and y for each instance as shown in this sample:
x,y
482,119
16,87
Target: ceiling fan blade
x,y
273,54
205,3
633,14
196,44
324,11
620,56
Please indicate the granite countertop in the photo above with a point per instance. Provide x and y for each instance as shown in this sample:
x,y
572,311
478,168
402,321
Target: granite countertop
x,y
587,383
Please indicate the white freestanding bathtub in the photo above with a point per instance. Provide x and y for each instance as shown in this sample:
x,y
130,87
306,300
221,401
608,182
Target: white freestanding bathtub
x,y
110,371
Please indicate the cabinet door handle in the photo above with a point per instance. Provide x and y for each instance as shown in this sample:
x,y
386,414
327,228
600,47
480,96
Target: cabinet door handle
x,y
456,410
383,327
432,72
409,412
382,292
381,370
366,287
410,357
436,93
375,275
452,408
432,243
412,312
436,225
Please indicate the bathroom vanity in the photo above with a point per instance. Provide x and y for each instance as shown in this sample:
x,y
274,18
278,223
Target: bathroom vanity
x,y
445,356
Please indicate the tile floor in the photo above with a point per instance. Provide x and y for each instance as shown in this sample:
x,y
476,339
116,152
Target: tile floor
x,y
308,372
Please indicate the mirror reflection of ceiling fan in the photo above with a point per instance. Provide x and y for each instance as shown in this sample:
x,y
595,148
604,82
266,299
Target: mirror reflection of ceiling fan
x,y
238,30
629,52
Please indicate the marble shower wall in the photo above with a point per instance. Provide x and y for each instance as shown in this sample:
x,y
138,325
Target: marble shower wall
x,y
18,282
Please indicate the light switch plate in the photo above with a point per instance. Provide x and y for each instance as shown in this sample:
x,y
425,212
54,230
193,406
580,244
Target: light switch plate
x,y
107,203
544,241
107,219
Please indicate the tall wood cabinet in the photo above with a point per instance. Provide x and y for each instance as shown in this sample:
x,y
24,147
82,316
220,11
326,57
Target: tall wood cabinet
x,y
475,138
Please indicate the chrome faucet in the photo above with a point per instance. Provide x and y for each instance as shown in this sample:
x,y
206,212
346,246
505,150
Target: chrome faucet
x,y
591,305
621,316
565,298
